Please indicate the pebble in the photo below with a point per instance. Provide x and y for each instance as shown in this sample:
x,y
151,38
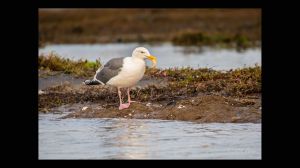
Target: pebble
x,y
84,108
181,106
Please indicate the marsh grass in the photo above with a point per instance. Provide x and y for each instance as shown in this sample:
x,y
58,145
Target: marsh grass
x,y
186,80
181,82
54,62
237,82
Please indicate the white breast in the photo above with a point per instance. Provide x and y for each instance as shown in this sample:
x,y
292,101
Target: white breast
x,y
133,70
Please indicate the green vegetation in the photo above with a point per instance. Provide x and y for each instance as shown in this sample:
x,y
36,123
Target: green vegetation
x,y
181,83
239,82
53,62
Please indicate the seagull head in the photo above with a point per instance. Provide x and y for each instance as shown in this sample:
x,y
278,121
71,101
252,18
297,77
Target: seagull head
x,y
143,53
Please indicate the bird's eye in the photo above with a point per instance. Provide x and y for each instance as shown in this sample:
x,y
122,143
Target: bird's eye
x,y
142,52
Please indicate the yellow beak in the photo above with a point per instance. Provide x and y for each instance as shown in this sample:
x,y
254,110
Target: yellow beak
x,y
153,59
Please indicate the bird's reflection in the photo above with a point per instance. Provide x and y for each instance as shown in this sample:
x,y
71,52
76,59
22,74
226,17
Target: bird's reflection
x,y
128,138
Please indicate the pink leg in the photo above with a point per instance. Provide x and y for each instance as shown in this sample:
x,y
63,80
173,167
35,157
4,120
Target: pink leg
x,y
122,106
128,93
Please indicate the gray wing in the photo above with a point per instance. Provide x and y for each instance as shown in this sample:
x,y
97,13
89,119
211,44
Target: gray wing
x,y
110,70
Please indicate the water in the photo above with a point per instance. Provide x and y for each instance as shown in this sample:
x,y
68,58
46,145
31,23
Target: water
x,y
145,139
167,55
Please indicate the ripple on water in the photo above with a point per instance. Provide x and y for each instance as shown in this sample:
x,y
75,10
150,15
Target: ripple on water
x,y
150,139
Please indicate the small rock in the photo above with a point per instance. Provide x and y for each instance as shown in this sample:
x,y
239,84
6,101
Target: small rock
x,y
157,105
84,108
129,114
148,104
181,106
41,92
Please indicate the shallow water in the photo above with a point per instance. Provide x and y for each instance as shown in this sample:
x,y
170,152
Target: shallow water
x,y
167,54
145,139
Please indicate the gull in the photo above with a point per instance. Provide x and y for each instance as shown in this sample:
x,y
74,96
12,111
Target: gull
x,y
123,72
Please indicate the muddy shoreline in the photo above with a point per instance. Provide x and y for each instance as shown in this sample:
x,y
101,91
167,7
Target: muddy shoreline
x,y
157,97
205,108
